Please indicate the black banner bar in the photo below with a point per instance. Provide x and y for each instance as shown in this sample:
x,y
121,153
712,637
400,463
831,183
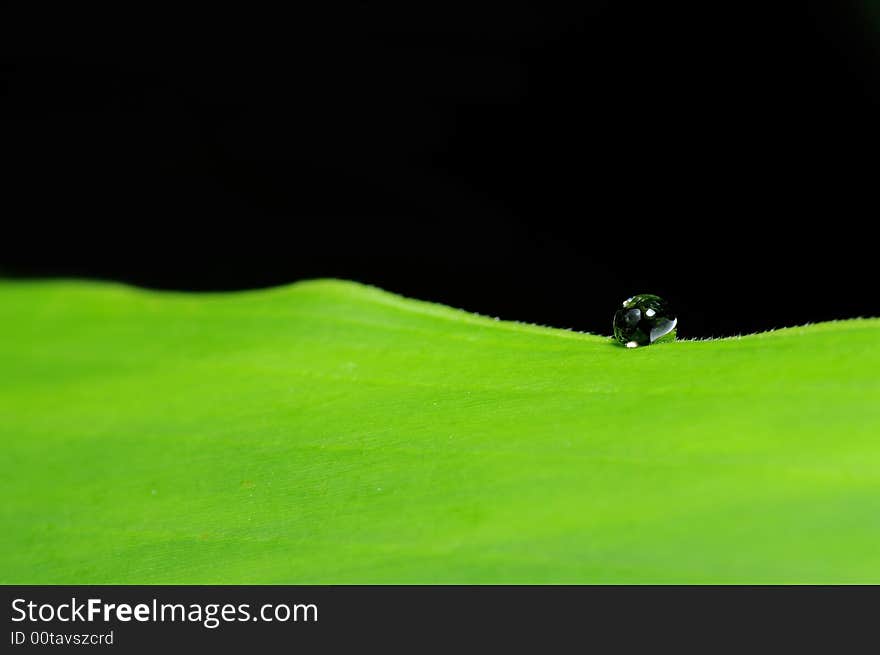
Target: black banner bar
x,y
231,618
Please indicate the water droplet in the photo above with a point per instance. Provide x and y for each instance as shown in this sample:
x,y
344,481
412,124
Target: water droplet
x,y
643,320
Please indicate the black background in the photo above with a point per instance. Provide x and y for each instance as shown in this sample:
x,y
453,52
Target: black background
x,y
538,162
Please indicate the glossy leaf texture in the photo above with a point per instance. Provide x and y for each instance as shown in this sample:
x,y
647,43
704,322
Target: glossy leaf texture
x,y
328,432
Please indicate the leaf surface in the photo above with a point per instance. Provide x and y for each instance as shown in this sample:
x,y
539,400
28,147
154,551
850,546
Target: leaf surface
x,y
328,432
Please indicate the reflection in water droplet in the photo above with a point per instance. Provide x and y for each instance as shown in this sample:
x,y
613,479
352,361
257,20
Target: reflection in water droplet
x,y
645,319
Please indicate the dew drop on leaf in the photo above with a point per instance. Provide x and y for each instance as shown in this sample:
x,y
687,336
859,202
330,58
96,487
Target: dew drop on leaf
x,y
644,319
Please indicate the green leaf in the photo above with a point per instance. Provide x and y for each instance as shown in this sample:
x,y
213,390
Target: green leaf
x,y
328,432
